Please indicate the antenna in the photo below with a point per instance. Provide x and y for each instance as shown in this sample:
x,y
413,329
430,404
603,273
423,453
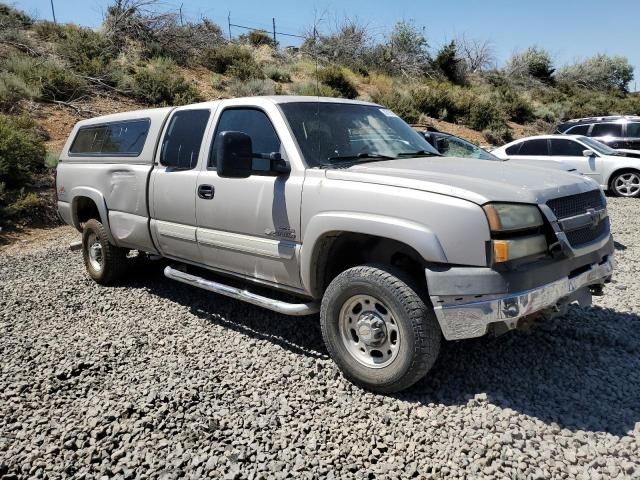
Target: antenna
x,y
315,55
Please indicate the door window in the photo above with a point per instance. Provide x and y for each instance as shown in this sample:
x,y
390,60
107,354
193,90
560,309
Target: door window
x,y
534,147
182,141
566,148
607,130
578,130
513,149
633,130
254,123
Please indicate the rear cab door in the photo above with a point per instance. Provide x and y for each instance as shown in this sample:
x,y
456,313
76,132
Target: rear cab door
x,y
172,187
609,133
632,135
570,151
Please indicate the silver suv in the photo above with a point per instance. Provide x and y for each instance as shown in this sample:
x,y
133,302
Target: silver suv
x,y
336,207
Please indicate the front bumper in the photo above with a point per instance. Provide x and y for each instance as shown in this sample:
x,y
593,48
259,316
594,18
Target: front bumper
x,y
462,318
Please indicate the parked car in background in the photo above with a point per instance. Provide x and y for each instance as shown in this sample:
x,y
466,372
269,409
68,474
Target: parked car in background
x,y
452,146
613,170
616,131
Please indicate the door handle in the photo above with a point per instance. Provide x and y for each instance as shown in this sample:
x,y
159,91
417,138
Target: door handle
x,y
206,191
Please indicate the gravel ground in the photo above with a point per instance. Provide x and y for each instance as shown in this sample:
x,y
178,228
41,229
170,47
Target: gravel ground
x,y
153,379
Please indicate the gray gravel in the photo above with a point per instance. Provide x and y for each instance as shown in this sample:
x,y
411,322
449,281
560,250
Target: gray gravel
x,y
153,379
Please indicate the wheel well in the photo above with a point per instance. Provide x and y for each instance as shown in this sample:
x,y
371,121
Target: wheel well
x,y
86,209
338,252
620,172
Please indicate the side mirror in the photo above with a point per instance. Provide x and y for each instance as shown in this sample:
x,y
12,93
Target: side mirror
x,y
588,153
235,157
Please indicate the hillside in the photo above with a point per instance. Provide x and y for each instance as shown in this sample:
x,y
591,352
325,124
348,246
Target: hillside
x,y
52,75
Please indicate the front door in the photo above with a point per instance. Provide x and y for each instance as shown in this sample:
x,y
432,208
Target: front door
x,y
250,226
571,152
173,185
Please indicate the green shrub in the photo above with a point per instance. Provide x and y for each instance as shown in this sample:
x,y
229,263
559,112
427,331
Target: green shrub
x,y
22,151
87,51
13,89
246,69
278,73
26,206
257,38
239,88
515,106
159,83
336,78
313,89
46,79
14,18
483,114
497,134
220,58
49,31
400,102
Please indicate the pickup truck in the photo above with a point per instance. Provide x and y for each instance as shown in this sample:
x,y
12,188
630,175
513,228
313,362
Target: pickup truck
x,y
303,205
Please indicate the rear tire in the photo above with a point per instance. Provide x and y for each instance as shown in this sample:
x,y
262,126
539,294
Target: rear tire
x,y
626,184
378,329
105,263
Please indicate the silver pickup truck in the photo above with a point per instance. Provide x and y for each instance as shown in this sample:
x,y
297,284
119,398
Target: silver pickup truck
x,y
339,207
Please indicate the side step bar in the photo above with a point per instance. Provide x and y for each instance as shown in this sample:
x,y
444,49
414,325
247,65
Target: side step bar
x,y
294,309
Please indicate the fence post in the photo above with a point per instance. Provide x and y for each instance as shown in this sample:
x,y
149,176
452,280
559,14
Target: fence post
x,y
275,43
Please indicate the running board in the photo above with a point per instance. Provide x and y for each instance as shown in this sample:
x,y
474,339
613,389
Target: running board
x,y
294,309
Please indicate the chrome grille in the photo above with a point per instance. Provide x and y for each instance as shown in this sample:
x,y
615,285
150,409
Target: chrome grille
x,y
576,204
582,236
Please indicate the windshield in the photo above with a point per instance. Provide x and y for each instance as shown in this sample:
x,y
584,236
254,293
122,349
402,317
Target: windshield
x,y
601,148
331,134
451,146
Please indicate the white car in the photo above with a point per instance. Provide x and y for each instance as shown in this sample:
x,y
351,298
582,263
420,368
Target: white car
x,y
613,170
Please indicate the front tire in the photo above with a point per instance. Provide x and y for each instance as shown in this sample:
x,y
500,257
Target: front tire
x,y
626,184
105,263
378,329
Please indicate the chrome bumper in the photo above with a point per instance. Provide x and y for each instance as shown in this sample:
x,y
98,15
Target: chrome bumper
x,y
472,319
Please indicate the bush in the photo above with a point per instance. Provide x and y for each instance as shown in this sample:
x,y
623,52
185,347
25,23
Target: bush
x,y
515,106
484,114
600,72
277,73
400,102
246,69
28,206
159,83
220,58
312,89
12,90
238,88
48,31
14,18
46,79
22,151
533,63
257,38
497,134
336,78
87,51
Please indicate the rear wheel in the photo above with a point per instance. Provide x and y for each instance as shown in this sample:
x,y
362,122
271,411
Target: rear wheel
x,y
626,184
378,329
105,263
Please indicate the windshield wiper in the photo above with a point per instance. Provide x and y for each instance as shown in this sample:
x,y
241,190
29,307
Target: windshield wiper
x,y
419,153
373,156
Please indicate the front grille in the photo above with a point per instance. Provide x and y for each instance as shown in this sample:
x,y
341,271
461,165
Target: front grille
x,y
576,204
585,235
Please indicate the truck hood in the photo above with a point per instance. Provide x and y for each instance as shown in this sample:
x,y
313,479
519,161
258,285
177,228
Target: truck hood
x,y
474,180
558,165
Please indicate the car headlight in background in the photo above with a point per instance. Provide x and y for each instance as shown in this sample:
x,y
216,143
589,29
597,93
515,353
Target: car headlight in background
x,y
507,217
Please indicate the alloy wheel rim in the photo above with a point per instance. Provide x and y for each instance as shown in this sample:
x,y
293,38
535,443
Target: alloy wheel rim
x,y
627,184
369,331
96,256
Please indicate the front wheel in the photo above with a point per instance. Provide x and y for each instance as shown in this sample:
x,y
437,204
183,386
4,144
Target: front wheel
x,y
378,330
626,184
105,263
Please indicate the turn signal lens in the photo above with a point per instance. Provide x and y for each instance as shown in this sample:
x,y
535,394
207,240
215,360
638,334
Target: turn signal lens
x,y
505,250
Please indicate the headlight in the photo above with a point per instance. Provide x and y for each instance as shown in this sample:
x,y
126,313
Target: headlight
x,y
506,217
505,250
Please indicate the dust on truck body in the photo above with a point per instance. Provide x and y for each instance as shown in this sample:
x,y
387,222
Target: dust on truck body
x,y
342,207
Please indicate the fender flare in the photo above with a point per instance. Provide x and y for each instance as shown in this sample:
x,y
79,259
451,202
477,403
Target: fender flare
x,y
417,236
100,202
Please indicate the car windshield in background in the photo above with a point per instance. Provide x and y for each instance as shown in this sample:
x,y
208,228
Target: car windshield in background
x,y
331,134
456,147
599,147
